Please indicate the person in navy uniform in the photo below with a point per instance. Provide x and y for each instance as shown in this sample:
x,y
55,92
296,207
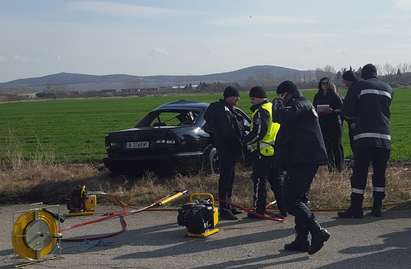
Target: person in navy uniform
x,y
300,150
368,104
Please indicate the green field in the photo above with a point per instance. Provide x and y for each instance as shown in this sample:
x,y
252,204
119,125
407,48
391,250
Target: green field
x,y
73,129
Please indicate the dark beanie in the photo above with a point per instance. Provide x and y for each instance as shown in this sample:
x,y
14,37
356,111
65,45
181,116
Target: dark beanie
x,y
349,76
369,71
258,92
287,86
231,91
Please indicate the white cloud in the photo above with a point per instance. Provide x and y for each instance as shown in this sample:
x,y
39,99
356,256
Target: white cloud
x,y
122,9
21,59
402,4
262,20
159,52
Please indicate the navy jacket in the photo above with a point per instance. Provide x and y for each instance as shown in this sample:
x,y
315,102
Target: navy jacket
x,y
225,126
299,140
368,105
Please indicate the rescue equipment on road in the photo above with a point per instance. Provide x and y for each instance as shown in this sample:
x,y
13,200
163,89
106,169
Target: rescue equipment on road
x,y
37,233
199,215
81,202
266,216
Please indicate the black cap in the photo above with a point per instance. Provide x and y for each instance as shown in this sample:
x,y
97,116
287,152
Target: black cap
x,y
231,91
258,92
349,76
369,71
287,86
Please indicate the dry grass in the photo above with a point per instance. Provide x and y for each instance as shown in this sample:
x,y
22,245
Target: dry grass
x,y
51,183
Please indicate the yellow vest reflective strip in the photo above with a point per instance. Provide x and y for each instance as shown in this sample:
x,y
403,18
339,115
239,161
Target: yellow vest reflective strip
x,y
266,145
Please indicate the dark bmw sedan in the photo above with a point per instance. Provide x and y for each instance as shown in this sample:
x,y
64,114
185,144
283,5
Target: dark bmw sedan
x,y
171,137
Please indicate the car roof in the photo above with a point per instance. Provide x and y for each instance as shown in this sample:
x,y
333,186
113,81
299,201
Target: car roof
x,y
183,104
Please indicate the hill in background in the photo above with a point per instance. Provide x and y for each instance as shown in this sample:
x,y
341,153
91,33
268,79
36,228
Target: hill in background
x,y
262,75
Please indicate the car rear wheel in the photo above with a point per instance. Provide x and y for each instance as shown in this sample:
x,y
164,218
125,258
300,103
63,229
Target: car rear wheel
x,y
210,163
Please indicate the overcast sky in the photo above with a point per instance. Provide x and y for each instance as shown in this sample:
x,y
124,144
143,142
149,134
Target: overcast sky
x,y
39,37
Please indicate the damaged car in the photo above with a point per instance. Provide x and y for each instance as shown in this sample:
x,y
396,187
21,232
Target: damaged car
x,y
170,137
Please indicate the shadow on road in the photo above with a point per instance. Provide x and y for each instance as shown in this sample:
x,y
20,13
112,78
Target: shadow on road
x,y
388,214
190,246
251,262
394,252
6,252
176,243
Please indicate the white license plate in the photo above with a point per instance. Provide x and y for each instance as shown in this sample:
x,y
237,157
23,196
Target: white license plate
x,y
138,145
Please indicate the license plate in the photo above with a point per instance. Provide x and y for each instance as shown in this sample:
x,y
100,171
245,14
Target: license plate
x,y
138,145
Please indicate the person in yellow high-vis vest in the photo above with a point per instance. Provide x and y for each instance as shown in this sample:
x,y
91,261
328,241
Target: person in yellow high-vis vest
x,y
262,138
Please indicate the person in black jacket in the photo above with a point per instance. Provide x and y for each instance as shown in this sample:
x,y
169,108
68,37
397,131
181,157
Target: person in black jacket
x,y
329,105
300,150
349,79
224,125
368,103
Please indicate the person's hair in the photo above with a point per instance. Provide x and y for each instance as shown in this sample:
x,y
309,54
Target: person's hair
x,y
332,87
288,86
324,79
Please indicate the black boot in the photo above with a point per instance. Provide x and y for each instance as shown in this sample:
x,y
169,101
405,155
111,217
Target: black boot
x,y
226,214
235,211
376,208
283,213
319,235
355,209
301,243
298,245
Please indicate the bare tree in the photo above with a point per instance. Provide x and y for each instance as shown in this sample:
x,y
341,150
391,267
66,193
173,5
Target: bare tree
x,y
404,67
329,69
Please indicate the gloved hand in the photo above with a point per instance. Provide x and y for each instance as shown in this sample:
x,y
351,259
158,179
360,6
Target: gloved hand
x,y
278,103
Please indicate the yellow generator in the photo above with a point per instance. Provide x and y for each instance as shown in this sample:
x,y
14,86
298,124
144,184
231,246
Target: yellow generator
x,y
81,203
199,215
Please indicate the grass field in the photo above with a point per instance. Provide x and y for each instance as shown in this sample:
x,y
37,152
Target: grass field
x,y
72,130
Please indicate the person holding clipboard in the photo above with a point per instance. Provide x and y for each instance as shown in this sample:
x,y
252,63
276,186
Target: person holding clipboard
x,y
328,105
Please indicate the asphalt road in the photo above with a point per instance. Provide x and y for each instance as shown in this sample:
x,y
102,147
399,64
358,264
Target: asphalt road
x,y
154,240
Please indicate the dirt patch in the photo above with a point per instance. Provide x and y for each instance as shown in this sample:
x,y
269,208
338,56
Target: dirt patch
x,y
52,183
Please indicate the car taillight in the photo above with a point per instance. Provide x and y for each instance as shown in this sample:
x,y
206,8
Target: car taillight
x,y
110,145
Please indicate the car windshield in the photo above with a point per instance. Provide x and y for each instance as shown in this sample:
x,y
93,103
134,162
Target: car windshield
x,y
170,118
